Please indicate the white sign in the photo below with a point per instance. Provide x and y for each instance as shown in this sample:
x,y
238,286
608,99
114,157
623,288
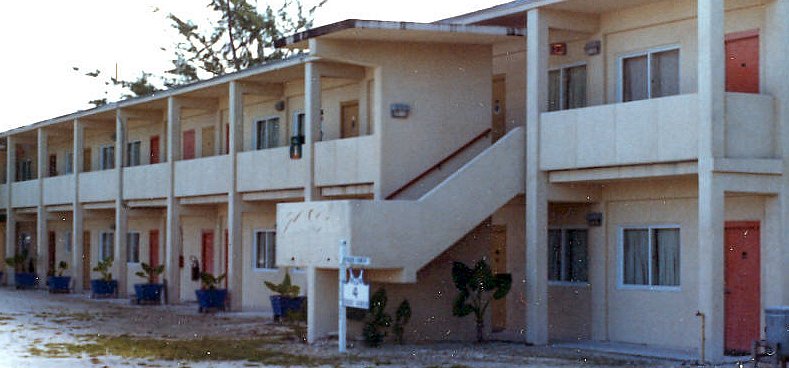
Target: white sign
x,y
356,294
356,261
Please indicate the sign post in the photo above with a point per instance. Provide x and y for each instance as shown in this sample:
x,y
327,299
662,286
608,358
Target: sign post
x,y
358,297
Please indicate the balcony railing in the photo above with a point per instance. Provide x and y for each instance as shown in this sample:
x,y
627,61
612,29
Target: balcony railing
x,y
269,169
203,176
59,190
24,193
98,186
346,161
145,182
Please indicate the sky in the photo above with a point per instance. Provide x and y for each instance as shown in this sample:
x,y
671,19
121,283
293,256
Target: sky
x,y
44,40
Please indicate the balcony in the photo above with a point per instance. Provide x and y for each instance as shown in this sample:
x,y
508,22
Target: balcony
x,y
270,169
24,193
660,130
98,186
203,176
347,161
145,182
59,190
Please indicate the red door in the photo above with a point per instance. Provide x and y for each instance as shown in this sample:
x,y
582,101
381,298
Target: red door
x,y
208,251
742,62
742,286
153,249
52,252
227,256
189,144
155,150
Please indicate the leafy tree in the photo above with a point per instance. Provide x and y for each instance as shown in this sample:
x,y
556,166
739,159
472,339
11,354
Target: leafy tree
x,y
377,321
240,36
477,287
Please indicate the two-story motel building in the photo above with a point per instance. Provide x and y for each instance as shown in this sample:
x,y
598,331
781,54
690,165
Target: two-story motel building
x,y
623,160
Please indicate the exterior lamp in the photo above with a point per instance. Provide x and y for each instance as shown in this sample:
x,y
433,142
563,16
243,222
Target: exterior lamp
x,y
295,146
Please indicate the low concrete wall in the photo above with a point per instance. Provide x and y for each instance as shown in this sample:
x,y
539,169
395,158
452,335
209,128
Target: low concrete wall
x,y
203,176
347,161
647,131
143,182
25,193
270,169
98,186
750,126
59,190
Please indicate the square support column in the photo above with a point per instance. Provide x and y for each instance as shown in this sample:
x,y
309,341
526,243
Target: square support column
x,y
711,211
42,240
598,275
10,222
173,247
536,181
322,311
235,262
77,223
121,213
312,128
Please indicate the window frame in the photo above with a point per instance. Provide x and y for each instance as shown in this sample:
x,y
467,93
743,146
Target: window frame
x,y
265,120
138,158
68,242
129,251
69,162
620,282
25,170
101,256
255,250
564,230
562,98
648,53
102,153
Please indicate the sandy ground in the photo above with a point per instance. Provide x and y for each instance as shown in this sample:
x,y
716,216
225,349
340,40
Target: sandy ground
x,y
34,319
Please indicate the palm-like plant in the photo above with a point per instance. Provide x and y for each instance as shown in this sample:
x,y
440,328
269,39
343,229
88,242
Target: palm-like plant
x,y
477,287
285,288
104,267
209,281
150,272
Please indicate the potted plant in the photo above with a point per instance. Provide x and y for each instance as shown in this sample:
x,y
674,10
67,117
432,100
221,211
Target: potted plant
x,y
105,286
477,287
150,292
209,296
22,279
57,282
286,298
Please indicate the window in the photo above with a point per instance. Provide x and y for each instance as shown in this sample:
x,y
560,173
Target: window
x,y
265,249
297,127
133,153
69,163
133,247
267,133
650,75
567,88
568,255
107,157
67,242
24,170
650,256
106,246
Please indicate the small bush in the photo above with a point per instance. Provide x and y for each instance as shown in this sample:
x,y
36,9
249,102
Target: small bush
x,y
377,322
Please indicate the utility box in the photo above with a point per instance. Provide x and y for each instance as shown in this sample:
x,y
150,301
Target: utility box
x,y
776,321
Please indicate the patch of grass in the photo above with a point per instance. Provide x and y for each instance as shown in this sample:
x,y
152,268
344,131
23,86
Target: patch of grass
x,y
262,350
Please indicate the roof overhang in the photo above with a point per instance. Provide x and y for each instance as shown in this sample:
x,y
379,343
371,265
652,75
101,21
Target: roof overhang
x,y
373,30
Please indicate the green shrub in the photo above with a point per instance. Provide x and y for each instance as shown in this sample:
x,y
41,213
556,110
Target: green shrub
x,y
377,322
477,288
402,317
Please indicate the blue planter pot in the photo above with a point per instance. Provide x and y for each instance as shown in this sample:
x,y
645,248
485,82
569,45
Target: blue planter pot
x,y
148,293
25,280
1,277
281,305
59,284
211,299
103,289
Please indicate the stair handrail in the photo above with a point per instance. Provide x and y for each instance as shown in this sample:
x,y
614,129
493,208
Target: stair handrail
x,y
438,165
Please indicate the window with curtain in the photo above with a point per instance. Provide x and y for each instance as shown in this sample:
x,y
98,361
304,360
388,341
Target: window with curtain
x,y
133,153
568,255
650,75
107,157
24,170
133,247
267,134
265,250
67,242
567,88
106,246
69,163
650,256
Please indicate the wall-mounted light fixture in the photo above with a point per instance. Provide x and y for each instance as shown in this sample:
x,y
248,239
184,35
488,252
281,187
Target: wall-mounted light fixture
x,y
400,110
592,48
559,48
279,105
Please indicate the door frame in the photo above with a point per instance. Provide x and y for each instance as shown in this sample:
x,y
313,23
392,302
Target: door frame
x,y
203,253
